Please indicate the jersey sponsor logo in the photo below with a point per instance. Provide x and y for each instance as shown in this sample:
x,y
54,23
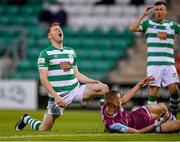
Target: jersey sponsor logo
x,y
162,35
66,66
41,60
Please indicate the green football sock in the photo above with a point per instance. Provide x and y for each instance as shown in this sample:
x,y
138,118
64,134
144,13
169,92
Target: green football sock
x,y
33,123
152,100
174,101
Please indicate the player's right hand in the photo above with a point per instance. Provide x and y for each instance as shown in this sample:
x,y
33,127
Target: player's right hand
x,y
59,101
148,10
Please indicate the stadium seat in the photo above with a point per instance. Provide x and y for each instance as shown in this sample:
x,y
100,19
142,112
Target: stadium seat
x,y
4,20
102,65
30,10
113,33
8,41
32,53
24,65
85,65
36,32
11,10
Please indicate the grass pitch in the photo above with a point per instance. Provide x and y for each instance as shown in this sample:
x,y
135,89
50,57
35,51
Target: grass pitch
x,y
74,125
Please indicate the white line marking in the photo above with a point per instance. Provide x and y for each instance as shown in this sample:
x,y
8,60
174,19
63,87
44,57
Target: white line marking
x,y
56,135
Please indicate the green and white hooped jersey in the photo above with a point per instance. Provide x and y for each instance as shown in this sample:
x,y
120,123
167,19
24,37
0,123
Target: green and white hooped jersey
x,y
59,64
160,41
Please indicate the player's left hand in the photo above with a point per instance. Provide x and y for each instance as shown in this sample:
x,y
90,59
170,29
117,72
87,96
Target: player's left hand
x,y
146,80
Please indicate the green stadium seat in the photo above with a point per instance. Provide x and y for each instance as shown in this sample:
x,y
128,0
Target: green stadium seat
x,y
119,43
32,53
113,33
96,54
30,10
36,32
8,41
29,20
72,42
9,33
4,20
95,75
88,43
85,65
43,42
24,65
68,32
103,44
30,43
112,54
102,65
97,32
2,10
82,54
83,32
11,10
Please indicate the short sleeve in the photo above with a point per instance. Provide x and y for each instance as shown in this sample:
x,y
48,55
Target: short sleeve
x,y
177,28
144,26
43,61
75,59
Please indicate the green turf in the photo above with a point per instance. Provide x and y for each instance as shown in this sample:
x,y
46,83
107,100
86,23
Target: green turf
x,y
73,125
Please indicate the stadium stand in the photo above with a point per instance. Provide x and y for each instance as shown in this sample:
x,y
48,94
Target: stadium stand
x,y
98,33
95,32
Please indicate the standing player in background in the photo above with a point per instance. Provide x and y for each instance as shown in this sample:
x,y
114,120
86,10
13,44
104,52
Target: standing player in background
x,y
160,34
149,118
60,76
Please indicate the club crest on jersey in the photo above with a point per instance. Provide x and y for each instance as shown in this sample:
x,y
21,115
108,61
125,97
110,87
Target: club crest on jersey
x,y
66,66
162,35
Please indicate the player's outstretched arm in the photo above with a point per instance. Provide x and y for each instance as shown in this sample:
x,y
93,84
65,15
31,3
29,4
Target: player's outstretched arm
x,y
125,98
134,27
120,128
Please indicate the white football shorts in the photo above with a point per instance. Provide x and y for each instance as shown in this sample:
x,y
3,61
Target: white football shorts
x,y
164,75
75,95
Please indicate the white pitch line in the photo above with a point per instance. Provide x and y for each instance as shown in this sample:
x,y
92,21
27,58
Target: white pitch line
x,y
45,135
56,135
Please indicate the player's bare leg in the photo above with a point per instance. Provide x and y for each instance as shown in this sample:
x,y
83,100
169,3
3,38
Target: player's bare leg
x,y
170,126
47,122
156,110
94,90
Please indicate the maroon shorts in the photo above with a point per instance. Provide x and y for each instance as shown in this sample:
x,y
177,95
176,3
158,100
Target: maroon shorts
x,y
139,118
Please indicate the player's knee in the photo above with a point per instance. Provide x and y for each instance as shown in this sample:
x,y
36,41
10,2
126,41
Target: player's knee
x,y
97,90
105,88
163,106
173,89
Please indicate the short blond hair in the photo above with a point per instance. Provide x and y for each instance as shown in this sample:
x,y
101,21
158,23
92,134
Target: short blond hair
x,y
111,95
52,25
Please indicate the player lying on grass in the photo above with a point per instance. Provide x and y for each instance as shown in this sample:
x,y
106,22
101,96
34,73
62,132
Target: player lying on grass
x,y
142,120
